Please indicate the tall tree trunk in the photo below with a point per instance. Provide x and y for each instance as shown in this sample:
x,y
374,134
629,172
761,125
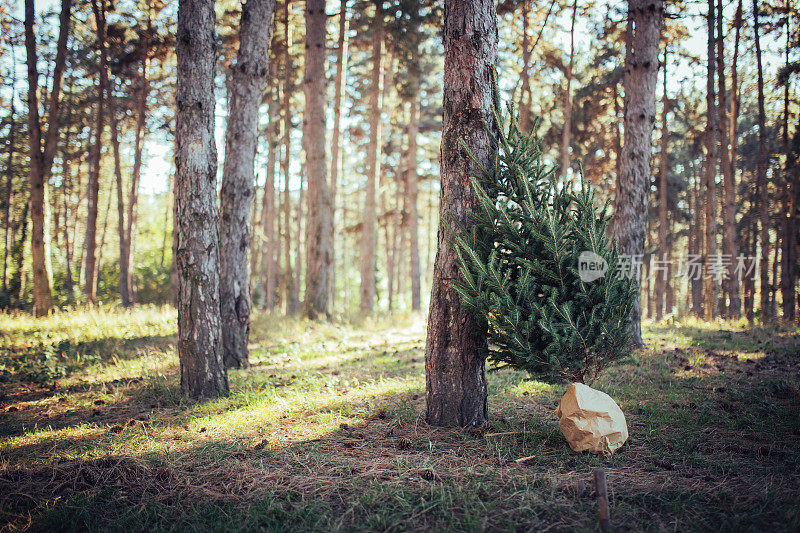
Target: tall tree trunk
x,y
290,283
298,248
789,255
124,255
696,245
729,179
384,196
319,226
102,245
411,182
369,233
735,92
748,283
270,247
41,159
336,153
99,10
454,360
138,145
788,193
566,133
639,80
9,192
712,131
761,176
199,331
249,76
526,99
669,303
411,199
734,122
663,198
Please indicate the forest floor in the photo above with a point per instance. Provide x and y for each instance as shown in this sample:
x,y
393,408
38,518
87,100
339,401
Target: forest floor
x,y
326,432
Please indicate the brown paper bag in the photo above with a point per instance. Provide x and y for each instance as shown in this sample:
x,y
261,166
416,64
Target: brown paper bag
x,y
591,420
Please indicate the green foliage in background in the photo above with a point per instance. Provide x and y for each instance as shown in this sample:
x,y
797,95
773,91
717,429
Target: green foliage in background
x,y
519,266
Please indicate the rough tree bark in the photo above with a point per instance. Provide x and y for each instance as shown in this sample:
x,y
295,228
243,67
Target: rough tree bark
x,y
730,246
319,225
197,251
369,227
566,132
639,80
455,381
249,78
336,154
41,158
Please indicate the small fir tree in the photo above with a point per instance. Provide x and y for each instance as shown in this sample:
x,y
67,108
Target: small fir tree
x,y
519,266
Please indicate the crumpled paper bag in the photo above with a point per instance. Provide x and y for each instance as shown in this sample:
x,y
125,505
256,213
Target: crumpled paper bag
x,y
591,420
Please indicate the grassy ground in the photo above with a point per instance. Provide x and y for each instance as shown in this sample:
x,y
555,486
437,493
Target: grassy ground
x,y
325,433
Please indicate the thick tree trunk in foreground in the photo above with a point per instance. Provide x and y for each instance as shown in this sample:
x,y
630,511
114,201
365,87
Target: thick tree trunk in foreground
x,y
633,182
369,227
238,177
454,361
319,226
203,372
730,246
41,158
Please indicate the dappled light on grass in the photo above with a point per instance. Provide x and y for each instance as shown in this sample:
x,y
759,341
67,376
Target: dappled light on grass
x,y
326,432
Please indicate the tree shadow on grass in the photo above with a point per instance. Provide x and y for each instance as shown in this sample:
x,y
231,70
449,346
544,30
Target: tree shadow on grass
x,y
771,341
374,475
701,439
43,363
